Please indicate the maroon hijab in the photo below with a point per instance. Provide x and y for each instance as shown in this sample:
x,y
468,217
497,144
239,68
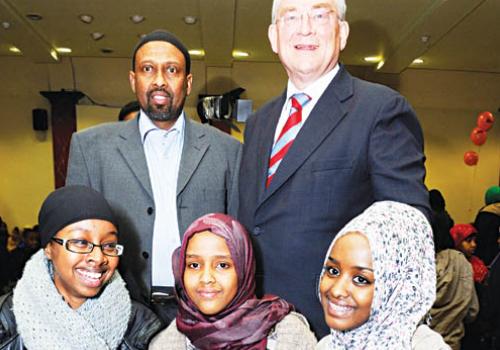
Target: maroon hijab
x,y
246,322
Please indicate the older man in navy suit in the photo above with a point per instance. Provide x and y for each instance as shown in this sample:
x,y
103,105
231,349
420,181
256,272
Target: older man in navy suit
x,y
320,153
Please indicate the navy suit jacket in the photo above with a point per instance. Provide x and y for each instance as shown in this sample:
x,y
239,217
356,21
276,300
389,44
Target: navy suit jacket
x,y
361,143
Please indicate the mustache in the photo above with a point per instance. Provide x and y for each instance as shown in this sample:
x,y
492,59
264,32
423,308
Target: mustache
x,y
165,91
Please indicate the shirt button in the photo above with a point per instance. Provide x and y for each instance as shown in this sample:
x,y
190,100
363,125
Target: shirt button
x,y
150,211
145,255
257,231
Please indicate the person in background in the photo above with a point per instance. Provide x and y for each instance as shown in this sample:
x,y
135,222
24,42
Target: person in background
x,y
214,273
487,223
70,295
464,236
129,111
379,282
321,153
160,171
456,298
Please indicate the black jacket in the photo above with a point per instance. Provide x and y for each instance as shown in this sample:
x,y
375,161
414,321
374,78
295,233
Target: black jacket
x,y
142,326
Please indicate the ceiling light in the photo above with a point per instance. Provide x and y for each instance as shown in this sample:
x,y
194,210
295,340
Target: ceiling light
x,y
97,35
380,64
372,58
137,18
34,16
107,50
54,55
197,52
418,61
86,18
425,38
63,49
239,54
14,49
190,19
5,25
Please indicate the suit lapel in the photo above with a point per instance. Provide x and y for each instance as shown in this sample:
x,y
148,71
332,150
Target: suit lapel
x,y
132,150
195,146
266,142
325,116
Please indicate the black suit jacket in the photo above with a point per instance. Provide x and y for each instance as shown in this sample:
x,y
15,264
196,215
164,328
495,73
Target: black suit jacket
x,y
361,143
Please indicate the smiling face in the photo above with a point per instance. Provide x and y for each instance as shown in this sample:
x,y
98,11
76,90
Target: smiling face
x,y
81,276
308,49
210,277
160,82
348,284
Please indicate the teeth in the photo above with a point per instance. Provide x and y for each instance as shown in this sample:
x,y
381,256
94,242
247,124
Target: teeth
x,y
91,275
340,308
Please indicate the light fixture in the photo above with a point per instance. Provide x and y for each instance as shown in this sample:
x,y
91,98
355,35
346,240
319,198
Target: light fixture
x,y
97,35
197,52
372,59
380,64
240,54
14,49
54,54
190,19
34,16
5,25
86,18
137,18
418,61
425,38
63,49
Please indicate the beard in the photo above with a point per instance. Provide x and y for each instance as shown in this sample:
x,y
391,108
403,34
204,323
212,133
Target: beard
x,y
163,113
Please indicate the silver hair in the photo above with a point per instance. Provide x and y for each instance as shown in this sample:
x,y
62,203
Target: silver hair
x,y
340,5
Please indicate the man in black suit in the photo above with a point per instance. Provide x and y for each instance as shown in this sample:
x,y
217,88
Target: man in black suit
x,y
320,153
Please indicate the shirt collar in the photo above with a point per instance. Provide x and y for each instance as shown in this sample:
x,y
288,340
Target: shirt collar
x,y
146,125
316,89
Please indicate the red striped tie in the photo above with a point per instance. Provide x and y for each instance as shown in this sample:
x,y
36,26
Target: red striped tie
x,y
287,134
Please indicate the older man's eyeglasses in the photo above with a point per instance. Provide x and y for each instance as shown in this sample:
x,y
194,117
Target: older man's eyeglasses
x,y
317,17
82,246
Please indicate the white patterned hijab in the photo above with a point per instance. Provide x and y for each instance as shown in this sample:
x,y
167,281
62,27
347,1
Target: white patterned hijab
x,y
401,244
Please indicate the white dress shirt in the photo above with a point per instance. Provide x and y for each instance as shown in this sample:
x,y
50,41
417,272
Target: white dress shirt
x,y
163,149
315,90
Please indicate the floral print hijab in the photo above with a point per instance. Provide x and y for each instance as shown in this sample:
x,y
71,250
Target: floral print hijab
x,y
401,243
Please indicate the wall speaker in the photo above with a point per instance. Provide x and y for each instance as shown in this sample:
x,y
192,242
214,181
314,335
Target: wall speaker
x,y
40,119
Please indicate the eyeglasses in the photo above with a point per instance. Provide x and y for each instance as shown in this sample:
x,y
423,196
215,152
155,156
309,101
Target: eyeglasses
x,y
318,17
82,246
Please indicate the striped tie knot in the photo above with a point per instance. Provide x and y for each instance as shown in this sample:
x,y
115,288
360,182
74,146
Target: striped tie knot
x,y
287,134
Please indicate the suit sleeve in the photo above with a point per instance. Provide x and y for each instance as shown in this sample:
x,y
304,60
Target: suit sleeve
x,y
233,193
396,155
78,173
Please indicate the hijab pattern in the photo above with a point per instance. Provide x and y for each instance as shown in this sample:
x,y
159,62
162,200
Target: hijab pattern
x,y
401,245
246,322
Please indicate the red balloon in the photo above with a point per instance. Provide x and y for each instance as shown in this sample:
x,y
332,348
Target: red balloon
x,y
485,120
471,158
478,136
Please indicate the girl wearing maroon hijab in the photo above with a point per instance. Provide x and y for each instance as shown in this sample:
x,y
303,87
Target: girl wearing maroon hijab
x,y
215,287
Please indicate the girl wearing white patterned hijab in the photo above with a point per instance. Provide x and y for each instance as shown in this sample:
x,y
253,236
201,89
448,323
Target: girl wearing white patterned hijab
x,y
379,279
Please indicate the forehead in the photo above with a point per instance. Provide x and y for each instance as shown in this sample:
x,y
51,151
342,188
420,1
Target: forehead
x,y
352,248
90,227
285,5
159,51
207,243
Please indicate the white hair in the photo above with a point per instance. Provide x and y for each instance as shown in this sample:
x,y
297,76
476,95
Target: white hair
x,y
340,6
